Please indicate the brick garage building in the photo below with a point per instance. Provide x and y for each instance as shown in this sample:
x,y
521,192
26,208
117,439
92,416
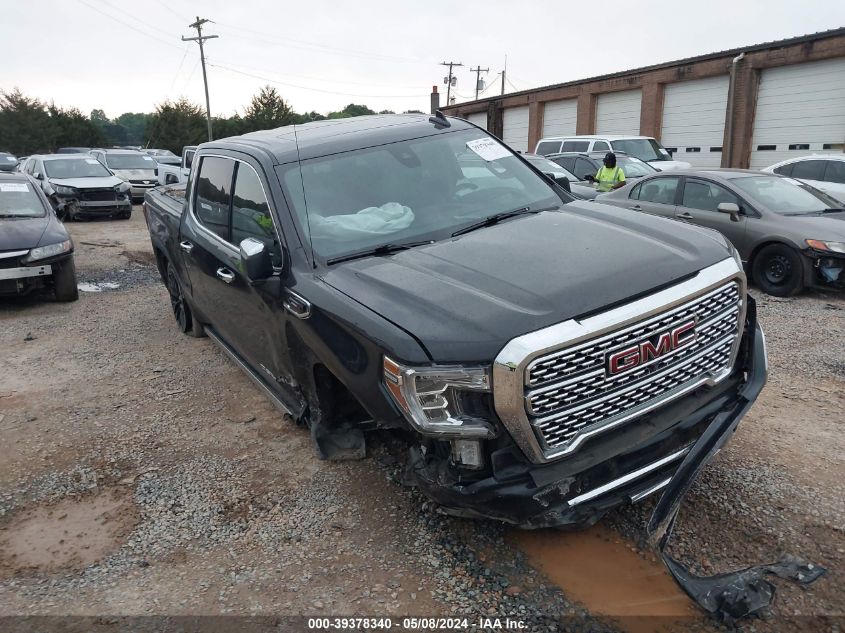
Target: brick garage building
x,y
748,107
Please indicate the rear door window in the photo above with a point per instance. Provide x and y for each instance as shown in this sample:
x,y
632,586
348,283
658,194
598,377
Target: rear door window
x,y
548,147
575,146
659,190
835,171
808,169
251,213
784,170
705,196
214,194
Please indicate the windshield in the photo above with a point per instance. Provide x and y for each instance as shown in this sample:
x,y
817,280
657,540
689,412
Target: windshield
x,y
646,149
550,167
785,195
75,168
634,167
130,161
413,190
19,200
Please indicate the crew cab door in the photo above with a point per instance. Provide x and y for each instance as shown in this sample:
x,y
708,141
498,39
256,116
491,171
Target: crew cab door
x,y
699,204
227,204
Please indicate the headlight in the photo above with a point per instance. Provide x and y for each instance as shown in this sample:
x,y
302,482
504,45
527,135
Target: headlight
x,y
735,255
820,245
51,250
430,398
65,191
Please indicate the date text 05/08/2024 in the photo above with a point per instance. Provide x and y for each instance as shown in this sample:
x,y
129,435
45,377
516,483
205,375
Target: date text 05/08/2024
x,y
415,623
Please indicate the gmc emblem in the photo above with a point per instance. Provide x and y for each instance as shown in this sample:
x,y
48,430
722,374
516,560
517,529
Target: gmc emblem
x,y
656,346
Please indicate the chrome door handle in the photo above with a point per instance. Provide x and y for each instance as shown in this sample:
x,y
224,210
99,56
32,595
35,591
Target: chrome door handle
x,y
226,275
686,216
186,246
637,207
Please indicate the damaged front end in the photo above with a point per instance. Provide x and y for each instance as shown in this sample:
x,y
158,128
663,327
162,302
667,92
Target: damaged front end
x,y
662,449
828,263
71,203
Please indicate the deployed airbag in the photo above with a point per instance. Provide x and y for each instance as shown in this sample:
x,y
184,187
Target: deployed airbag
x,y
388,218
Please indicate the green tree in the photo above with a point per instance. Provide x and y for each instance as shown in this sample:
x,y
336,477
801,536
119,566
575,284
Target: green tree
x,y
176,124
387,112
351,110
72,128
24,124
134,125
228,126
267,111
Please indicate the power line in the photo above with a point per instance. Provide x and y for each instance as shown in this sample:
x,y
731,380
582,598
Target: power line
x,y
199,39
478,70
126,24
449,79
289,85
178,70
181,17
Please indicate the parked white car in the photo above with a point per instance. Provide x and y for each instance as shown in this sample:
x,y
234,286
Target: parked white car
x,y
645,148
822,171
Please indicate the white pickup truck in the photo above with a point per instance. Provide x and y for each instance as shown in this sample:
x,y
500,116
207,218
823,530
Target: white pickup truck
x,y
172,174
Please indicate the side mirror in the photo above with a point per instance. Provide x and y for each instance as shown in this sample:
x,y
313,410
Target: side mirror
x,y
37,175
730,208
256,259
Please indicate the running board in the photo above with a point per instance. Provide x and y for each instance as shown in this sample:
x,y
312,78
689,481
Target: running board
x,y
258,380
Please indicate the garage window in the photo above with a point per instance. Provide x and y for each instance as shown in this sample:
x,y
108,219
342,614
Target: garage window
x,y
214,194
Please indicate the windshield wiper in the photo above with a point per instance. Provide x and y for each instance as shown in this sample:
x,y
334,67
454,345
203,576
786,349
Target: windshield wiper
x,y
490,220
384,249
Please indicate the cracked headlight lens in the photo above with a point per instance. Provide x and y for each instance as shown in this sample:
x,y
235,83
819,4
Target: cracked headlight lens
x,y
430,398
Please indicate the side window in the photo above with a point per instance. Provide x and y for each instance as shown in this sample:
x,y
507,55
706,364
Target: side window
x,y
835,171
660,190
705,195
635,192
189,158
548,147
809,169
567,162
214,194
575,146
251,213
600,146
785,170
584,167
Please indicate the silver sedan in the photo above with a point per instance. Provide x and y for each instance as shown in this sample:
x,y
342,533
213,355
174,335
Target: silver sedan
x,y
789,234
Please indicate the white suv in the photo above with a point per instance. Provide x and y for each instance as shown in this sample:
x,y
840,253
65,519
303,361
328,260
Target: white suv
x,y
822,171
645,148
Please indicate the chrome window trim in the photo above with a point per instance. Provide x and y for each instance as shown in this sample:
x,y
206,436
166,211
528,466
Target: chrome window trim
x,y
511,363
208,232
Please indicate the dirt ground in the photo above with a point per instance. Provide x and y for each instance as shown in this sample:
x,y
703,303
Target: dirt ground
x,y
141,473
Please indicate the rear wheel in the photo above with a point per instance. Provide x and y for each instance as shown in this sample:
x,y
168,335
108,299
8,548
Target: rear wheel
x,y
125,215
778,270
64,281
179,305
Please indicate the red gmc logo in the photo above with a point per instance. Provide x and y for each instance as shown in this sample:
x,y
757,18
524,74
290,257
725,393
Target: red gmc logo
x,y
658,345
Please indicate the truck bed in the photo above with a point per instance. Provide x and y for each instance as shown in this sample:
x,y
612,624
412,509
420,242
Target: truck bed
x,y
167,199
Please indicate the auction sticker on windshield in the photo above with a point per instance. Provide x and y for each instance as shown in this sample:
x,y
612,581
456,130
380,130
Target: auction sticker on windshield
x,y
488,149
14,187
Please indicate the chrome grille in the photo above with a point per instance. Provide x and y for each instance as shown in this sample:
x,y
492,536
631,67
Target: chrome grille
x,y
568,390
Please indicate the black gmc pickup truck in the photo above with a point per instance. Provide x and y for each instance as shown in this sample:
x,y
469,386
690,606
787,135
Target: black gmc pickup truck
x,y
548,358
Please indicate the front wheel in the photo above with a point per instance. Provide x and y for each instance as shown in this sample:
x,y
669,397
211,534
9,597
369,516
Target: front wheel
x,y
64,281
179,305
778,270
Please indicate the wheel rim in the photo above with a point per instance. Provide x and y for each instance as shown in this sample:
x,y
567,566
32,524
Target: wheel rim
x,y
778,270
177,302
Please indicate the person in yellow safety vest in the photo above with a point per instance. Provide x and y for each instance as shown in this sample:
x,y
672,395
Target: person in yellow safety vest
x,y
610,176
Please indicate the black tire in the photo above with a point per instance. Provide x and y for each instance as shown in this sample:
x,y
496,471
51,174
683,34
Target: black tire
x,y
125,215
778,270
179,305
64,281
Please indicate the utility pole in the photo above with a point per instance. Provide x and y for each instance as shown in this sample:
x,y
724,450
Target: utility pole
x,y
450,81
478,72
504,70
200,39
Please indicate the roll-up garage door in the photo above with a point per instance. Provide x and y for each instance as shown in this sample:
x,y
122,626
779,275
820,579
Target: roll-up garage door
x,y
515,124
800,111
559,118
479,119
694,120
619,112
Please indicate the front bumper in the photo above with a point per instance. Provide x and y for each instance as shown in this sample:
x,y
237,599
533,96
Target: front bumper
x,y
138,190
625,465
93,208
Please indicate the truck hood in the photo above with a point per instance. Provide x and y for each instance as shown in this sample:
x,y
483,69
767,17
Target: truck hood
x,y
465,297
26,233
104,182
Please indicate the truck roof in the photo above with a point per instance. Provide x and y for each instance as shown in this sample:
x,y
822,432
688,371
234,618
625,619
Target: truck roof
x,y
320,138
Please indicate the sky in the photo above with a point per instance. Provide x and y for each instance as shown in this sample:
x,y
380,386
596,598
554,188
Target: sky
x,y
127,55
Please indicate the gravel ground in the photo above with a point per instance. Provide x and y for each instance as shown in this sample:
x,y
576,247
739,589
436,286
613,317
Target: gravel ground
x,y
141,473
